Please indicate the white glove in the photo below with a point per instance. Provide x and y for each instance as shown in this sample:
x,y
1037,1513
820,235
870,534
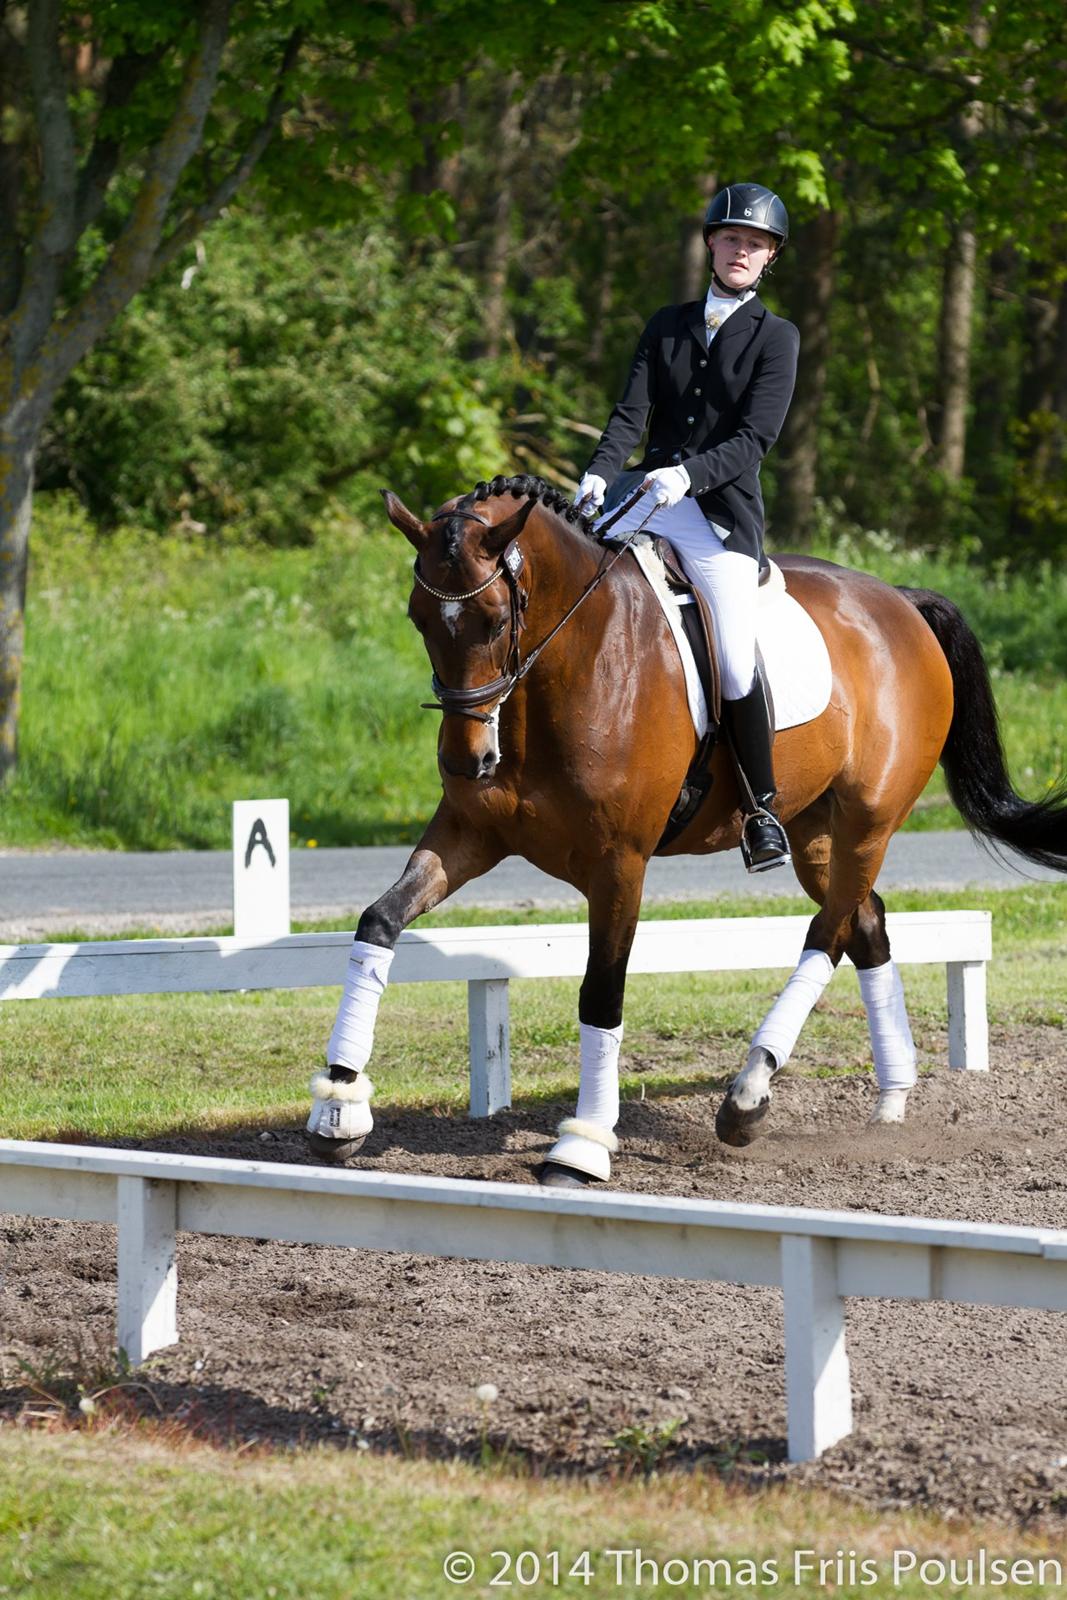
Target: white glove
x,y
668,485
590,496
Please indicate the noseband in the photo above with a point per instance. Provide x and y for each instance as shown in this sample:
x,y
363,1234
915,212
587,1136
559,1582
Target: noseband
x,y
462,702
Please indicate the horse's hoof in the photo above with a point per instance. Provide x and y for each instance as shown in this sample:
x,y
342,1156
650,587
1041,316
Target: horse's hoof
x,y
890,1109
736,1127
334,1152
550,1175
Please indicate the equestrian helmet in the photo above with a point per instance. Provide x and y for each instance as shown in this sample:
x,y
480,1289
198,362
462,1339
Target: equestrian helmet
x,y
747,205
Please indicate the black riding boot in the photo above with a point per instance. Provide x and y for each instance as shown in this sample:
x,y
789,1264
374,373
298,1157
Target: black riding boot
x,y
748,724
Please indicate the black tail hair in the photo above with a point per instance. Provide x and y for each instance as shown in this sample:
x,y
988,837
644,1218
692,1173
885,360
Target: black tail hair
x,y
973,757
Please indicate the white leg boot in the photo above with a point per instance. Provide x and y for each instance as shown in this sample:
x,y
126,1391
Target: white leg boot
x,y
340,1110
587,1141
749,1096
891,1043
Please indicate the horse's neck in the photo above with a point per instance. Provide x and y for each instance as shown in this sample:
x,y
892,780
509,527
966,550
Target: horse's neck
x,y
569,556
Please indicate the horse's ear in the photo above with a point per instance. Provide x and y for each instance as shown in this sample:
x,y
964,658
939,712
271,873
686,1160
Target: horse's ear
x,y
500,535
405,520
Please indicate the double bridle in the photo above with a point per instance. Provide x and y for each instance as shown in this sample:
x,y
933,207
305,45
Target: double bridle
x,y
462,702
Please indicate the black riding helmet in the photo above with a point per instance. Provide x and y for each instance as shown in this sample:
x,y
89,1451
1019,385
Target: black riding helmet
x,y
748,205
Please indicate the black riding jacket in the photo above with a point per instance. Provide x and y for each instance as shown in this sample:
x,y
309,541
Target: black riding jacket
x,y
715,412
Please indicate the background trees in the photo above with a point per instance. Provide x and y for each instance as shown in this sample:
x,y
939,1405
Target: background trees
x,y
436,230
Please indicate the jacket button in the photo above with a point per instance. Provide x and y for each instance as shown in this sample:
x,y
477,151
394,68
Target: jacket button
x,y
698,391
703,363
690,420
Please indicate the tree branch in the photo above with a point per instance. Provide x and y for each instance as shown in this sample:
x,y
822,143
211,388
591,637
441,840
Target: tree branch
x,y
125,73
132,255
972,83
194,221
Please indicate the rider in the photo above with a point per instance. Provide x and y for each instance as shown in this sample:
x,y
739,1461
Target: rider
x,y
715,378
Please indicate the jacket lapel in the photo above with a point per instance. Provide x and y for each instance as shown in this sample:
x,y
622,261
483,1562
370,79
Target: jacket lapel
x,y
693,316
740,321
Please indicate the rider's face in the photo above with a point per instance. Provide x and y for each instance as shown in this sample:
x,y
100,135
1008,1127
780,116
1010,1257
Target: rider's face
x,y
740,254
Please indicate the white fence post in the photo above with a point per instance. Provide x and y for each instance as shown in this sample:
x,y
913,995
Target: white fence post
x,y
968,1020
148,1274
818,1392
490,1045
261,869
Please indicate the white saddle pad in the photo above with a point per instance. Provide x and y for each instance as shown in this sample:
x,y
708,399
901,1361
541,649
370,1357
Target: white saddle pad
x,y
794,651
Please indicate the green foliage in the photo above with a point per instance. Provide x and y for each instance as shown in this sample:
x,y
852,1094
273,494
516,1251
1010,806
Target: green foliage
x,y
168,676
286,376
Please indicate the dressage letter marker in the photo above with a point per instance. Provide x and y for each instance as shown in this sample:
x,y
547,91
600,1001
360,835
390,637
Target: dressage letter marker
x,y
261,869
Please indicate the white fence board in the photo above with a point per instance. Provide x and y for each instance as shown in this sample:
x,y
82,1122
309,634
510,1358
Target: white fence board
x,y
487,959
817,1257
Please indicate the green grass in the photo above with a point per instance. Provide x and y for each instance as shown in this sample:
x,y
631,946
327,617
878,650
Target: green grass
x,y
144,1066
126,1516
166,677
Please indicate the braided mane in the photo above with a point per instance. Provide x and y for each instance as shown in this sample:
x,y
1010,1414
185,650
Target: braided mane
x,y
519,488
524,486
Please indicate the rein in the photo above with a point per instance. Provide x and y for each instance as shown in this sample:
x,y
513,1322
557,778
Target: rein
x,y
462,702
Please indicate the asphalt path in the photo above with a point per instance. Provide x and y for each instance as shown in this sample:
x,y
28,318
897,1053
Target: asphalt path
x,y
44,894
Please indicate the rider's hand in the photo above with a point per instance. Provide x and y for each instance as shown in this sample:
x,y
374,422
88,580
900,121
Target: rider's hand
x,y
590,496
668,485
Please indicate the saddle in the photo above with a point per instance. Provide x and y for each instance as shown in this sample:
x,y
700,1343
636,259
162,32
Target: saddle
x,y
699,630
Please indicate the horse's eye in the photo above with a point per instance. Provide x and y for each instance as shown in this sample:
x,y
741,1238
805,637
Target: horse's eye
x,y
498,630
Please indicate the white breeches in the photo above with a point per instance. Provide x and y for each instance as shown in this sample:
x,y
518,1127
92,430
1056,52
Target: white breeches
x,y
729,582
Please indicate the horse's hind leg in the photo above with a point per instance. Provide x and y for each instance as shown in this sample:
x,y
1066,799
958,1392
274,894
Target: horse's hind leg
x,y
449,853
892,1046
748,1098
582,1152
837,862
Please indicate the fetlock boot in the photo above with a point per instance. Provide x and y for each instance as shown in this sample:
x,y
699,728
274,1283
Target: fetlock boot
x,y
748,727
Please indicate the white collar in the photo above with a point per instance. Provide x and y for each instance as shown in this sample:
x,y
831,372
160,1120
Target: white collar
x,y
717,307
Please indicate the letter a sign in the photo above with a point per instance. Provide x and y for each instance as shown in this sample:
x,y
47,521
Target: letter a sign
x,y
260,869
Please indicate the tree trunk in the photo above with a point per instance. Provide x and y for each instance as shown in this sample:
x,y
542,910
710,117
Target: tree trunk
x,y
957,318
19,433
508,141
1042,411
693,271
994,391
813,264
957,294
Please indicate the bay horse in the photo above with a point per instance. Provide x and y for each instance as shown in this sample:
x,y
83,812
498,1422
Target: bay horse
x,y
565,738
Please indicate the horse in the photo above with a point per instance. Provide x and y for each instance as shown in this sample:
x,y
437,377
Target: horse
x,y
565,738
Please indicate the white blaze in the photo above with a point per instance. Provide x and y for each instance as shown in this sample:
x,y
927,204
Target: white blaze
x,y
451,611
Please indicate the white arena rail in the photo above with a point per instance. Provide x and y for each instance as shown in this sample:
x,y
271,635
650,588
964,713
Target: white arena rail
x,y
487,958
817,1258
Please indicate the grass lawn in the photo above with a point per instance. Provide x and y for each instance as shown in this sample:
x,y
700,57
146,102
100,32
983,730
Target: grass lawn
x,y
144,1065
100,1512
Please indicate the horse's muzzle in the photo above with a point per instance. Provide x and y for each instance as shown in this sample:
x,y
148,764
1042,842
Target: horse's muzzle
x,y
472,766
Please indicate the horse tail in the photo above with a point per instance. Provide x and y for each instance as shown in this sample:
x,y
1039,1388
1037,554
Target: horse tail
x,y
976,772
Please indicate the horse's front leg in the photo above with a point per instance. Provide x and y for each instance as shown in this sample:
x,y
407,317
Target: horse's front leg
x,y
449,853
582,1152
